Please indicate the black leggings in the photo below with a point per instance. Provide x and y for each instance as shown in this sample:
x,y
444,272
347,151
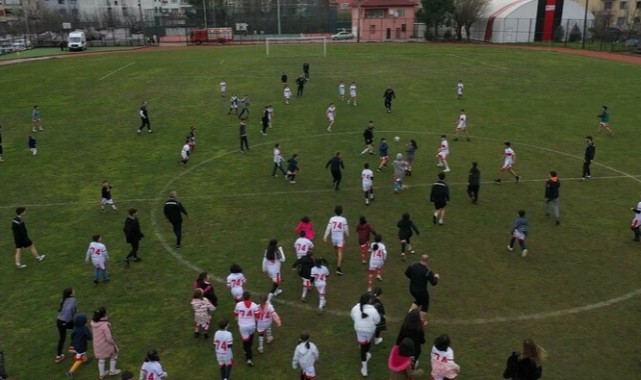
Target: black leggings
x,y
247,347
62,334
225,372
364,351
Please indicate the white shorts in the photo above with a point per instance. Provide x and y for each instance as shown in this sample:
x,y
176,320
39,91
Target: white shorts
x,y
507,165
367,186
461,127
338,242
602,124
237,293
375,265
320,287
442,155
105,201
330,117
307,284
246,331
274,276
341,92
264,325
518,235
352,94
364,337
184,156
225,359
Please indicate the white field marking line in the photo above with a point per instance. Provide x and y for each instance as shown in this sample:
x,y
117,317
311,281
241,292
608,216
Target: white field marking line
x,y
475,321
115,71
462,58
316,191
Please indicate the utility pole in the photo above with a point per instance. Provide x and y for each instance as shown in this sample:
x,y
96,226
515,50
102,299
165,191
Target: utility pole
x,y
205,12
358,23
278,14
585,23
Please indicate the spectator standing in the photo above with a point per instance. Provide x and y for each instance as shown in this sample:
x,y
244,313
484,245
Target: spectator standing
x,y
244,143
412,329
300,84
552,187
420,275
133,235
21,238
278,161
474,183
174,211
144,118
104,343
365,319
590,150
306,70
410,153
439,195
36,121
389,95
66,312
335,165
527,364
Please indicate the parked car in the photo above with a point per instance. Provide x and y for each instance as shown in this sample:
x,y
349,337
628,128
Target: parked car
x,y
632,42
343,36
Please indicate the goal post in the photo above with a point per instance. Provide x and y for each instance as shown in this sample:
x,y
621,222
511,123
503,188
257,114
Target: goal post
x,y
272,42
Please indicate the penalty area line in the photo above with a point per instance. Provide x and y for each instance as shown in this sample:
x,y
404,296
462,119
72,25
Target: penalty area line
x,y
115,71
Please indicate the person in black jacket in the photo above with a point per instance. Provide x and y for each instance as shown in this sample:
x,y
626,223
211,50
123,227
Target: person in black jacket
x,y
133,234
21,238
439,195
174,211
304,267
590,150
474,183
144,118
368,136
300,82
306,70
265,121
526,365
283,79
552,187
420,275
405,228
336,164
389,95
378,305
80,337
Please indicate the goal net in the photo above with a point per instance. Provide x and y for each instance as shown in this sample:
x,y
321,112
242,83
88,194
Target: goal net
x,y
296,46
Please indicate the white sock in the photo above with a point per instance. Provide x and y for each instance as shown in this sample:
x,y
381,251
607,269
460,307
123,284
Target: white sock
x,y
101,367
112,364
304,293
261,339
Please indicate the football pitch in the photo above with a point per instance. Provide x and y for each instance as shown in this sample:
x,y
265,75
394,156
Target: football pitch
x,y
576,294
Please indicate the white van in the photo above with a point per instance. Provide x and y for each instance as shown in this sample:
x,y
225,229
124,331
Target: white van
x,y
77,40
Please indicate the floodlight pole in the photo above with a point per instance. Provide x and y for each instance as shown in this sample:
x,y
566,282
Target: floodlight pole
x,y
205,13
585,23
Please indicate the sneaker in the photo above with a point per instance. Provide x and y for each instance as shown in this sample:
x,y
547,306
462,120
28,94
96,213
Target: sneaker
x,y
277,292
524,253
137,259
509,248
149,132
69,374
403,256
368,356
139,131
260,350
196,335
59,358
206,336
448,170
378,340
412,252
434,219
114,372
269,339
21,266
95,281
292,181
303,299
126,261
557,222
364,371
250,363
518,178
379,278
41,257
498,180
178,246
366,201
329,129
339,272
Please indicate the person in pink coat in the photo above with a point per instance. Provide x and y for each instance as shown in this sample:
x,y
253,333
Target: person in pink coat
x,y
305,225
400,361
104,343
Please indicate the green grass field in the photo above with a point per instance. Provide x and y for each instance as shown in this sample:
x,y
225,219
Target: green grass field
x,y
576,294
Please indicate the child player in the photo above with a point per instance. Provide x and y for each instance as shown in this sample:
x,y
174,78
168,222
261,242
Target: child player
x,y
32,144
184,153
305,355
331,116
223,342
304,266
604,121
339,230
233,104
442,154
272,260
341,91
509,158
364,230
352,93
266,315
223,88
382,154
235,282
302,245
461,126
376,261
368,136
520,229
246,313
106,199
367,176
287,94
202,317
79,341
459,90
319,274
97,253
405,228
636,222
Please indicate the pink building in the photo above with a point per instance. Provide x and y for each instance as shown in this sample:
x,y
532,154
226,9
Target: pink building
x,y
384,20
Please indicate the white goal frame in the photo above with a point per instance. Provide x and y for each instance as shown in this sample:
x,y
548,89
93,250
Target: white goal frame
x,y
295,40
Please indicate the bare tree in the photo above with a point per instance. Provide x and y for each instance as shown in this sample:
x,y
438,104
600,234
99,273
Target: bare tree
x,y
466,13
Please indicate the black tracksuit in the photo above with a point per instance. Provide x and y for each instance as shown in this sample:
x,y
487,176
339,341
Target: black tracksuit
x,y
174,211
590,150
335,164
473,184
389,95
133,235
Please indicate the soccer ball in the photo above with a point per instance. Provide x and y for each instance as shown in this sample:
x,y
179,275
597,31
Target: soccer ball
x,y
397,139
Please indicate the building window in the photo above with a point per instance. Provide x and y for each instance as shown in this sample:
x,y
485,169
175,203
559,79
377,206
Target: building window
x,y
620,21
125,12
372,29
623,5
344,6
607,5
403,28
401,12
374,13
